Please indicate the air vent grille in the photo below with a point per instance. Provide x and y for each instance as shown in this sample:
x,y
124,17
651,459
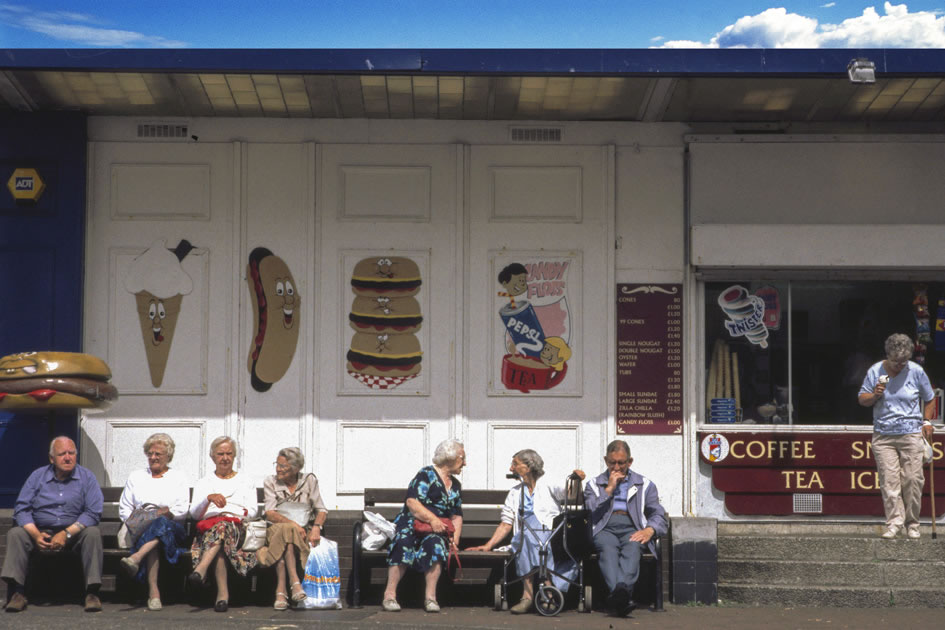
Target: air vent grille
x,y
536,134
808,503
162,130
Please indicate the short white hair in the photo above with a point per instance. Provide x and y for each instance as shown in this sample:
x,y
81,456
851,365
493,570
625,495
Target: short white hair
x,y
220,440
160,438
899,347
447,451
52,445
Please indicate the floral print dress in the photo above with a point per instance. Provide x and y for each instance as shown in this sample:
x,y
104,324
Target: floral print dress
x,y
417,551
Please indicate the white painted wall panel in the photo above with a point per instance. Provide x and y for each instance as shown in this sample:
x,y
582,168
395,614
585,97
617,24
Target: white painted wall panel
x,y
825,182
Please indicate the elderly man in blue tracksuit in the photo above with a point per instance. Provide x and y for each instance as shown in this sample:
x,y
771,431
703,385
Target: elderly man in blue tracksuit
x,y
626,514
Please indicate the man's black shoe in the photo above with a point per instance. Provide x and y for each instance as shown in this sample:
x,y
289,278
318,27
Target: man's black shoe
x,y
620,601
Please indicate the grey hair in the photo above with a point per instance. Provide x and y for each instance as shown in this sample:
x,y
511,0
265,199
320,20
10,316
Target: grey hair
x,y
529,457
220,440
447,451
160,438
294,457
618,445
56,439
899,347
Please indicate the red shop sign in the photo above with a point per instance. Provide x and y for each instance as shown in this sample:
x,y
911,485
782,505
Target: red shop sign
x,y
804,473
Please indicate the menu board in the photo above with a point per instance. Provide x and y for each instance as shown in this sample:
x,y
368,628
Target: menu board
x,y
649,359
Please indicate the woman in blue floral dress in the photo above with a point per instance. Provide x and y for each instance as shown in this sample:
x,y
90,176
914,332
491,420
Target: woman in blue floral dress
x,y
432,495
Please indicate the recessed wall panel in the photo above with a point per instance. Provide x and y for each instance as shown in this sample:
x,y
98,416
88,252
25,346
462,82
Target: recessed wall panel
x,y
160,191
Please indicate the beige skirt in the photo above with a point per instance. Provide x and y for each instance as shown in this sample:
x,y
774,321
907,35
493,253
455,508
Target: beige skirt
x,y
278,537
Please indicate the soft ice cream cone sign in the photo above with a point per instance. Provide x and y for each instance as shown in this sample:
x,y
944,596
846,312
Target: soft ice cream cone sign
x,y
159,283
276,303
746,314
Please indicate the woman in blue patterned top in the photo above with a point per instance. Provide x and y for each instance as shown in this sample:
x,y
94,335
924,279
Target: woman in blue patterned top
x,y
901,396
433,494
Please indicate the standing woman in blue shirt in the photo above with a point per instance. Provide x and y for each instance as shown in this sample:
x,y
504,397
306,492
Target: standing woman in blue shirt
x,y
901,396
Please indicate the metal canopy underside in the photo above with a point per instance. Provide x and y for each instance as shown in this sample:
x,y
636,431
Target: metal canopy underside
x,y
742,86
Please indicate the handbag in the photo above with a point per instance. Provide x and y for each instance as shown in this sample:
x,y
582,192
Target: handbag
x,y
299,512
138,521
576,538
296,511
424,528
254,537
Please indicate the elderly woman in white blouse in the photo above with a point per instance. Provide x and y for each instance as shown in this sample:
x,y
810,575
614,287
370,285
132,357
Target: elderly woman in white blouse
x,y
222,502
165,489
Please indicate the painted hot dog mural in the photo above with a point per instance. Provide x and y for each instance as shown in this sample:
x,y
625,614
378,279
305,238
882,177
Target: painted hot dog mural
x,y
159,284
276,303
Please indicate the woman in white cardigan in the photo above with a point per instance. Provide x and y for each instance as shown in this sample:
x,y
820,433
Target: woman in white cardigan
x,y
542,503
222,501
167,489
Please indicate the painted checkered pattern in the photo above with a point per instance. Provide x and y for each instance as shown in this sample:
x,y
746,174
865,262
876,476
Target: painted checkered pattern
x,y
381,382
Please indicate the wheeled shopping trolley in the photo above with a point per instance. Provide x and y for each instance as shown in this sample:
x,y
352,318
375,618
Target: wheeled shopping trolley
x,y
570,537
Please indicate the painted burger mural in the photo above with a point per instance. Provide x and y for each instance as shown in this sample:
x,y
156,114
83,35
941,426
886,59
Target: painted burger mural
x,y
384,351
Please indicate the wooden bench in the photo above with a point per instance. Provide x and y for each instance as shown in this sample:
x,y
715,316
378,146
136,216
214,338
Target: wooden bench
x,y
482,510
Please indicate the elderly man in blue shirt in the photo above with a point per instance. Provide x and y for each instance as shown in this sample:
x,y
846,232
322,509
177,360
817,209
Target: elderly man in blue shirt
x,y
58,509
626,514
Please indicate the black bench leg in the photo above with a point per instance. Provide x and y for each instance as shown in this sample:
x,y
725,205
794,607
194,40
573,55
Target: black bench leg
x,y
356,566
659,577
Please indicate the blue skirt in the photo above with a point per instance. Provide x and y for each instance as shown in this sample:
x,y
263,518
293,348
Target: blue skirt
x,y
526,544
172,538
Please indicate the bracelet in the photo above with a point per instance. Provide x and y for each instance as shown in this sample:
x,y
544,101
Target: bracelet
x,y
318,525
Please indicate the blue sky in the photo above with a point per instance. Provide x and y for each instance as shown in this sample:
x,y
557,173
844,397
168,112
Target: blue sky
x,y
470,24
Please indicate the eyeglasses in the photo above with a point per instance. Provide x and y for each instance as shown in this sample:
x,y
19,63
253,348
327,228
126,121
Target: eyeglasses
x,y
281,466
156,454
613,462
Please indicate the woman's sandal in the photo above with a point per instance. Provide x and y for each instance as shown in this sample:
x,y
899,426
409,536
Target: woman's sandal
x,y
282,601
298,593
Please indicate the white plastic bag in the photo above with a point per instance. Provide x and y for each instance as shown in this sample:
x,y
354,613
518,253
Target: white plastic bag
x,y
927,452
375,531
322,582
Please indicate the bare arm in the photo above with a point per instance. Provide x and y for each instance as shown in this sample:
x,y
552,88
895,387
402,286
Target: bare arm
x,y
503,530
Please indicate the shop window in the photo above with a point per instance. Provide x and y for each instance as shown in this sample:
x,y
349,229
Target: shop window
x,y
796,352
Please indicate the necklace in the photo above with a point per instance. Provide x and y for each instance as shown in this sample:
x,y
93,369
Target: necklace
x,y
229,476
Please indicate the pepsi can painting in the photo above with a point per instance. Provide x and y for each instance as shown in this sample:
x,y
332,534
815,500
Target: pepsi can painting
x,y
522,325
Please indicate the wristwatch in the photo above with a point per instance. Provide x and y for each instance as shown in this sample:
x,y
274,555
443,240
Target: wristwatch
x,y
68,535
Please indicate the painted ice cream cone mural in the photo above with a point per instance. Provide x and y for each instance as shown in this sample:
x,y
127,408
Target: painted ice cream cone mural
x,y
159,284
384,350
537,324
746,315
276,303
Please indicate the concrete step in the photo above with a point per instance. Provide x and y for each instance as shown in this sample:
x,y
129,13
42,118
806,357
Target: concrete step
x,y
819,573
832,596
842,548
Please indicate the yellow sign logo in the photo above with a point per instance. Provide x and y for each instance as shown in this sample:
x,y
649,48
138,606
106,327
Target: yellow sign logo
x,y
25,184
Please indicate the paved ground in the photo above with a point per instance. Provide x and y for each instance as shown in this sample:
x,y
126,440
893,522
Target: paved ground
x,y
177,617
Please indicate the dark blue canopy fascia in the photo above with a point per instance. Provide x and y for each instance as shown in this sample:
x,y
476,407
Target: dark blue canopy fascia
x,y
613,62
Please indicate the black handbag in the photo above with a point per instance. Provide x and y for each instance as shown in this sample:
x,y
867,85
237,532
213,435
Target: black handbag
x,y
576,538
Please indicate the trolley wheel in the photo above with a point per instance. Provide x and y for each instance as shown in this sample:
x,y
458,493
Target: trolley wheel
x,y
498,602
588,599
549,601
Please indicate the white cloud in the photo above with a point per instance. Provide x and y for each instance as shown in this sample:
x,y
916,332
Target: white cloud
x,y
78,28
658,38
828,5
776,28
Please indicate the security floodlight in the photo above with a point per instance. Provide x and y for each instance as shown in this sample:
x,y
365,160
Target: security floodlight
x,y
861,71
